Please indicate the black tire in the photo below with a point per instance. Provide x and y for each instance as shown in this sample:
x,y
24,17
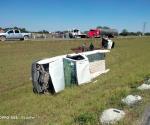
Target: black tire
x,y
2,38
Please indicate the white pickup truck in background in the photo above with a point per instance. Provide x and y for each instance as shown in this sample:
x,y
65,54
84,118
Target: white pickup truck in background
x,y
14,34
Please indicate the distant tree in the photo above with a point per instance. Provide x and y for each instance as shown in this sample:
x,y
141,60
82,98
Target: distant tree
x,y
66,31
99,27
139,33
58,32
132,33
23,30
15,27
124,32
147,34
43,31
85,32
1,29
7,28
106,27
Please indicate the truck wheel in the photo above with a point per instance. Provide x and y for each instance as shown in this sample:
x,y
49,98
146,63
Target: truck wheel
x,y
26,37
2,38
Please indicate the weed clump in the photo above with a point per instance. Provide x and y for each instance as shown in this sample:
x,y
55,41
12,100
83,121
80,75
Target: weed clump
x,y
85,119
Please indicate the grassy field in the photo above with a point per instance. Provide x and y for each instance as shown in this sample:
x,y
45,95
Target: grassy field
x,y
129,64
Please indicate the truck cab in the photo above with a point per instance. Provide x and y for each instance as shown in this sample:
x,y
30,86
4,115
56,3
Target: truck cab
x,y
76,33
94,33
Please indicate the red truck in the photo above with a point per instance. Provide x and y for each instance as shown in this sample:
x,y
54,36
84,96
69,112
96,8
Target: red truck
x,y
96,33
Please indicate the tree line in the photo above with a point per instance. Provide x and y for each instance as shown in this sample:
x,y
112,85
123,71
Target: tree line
x,y
124,32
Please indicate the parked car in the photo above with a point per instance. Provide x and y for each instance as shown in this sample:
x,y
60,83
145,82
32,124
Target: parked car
x,y
14,34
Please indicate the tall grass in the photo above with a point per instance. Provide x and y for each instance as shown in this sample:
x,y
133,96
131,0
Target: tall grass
x,y
128,63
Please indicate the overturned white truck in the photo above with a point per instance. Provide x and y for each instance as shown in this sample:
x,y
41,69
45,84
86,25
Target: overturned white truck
x,y
56,73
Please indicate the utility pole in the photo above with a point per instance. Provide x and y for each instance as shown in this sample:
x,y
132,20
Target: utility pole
x,y
144,26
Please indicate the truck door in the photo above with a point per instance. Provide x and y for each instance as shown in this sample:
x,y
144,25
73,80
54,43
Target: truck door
x,y
18,35
10,34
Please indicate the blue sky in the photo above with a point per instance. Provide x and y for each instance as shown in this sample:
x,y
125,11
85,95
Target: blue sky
x,y
53,15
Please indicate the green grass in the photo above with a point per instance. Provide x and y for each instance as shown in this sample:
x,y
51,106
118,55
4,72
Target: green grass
x,y
128,63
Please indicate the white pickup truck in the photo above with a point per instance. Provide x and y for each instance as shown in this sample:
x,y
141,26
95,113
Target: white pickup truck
x,y
14,34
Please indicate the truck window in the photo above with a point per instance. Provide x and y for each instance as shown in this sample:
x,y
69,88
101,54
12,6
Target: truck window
x,y
11,31
16,31
76,30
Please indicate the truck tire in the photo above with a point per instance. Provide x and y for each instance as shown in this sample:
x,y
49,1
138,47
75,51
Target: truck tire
x,y
26,38
2,38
